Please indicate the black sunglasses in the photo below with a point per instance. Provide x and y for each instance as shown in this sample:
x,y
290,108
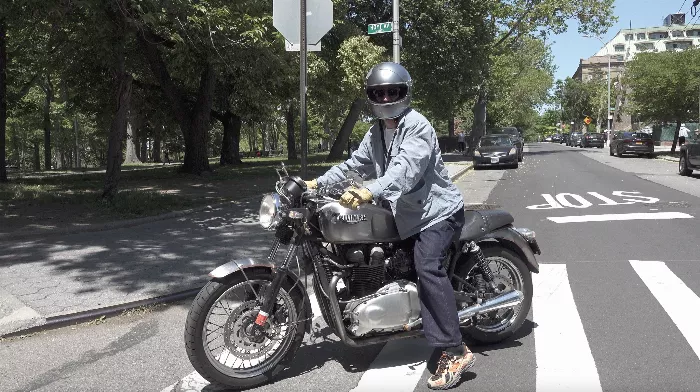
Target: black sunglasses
x,y
380,92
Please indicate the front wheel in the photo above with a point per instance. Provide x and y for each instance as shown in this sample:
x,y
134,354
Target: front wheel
x,y
683,166
510,273
222,344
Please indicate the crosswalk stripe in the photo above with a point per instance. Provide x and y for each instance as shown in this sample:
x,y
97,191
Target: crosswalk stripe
x,y
677,299
398,367
563,356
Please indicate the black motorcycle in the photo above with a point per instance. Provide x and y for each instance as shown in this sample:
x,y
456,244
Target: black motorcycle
x,y
247,323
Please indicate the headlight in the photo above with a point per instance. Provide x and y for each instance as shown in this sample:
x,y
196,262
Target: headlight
x,y
269,216
528,234
477,153
512,151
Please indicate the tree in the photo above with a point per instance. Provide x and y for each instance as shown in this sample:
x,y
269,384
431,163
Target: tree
x,y
664,86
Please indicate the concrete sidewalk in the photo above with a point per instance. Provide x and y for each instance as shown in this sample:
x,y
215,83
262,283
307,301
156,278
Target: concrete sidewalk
x,y
69,277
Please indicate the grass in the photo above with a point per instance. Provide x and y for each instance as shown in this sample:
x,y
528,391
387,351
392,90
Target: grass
x,y
146,189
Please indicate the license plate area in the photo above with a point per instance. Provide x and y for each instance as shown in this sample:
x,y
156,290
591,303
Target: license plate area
x,y
494,160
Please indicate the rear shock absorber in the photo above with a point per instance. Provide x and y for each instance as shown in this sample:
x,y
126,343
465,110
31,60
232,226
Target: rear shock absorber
x,y
482,263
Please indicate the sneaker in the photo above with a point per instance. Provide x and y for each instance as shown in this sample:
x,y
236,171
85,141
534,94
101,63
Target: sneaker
x,y
450,368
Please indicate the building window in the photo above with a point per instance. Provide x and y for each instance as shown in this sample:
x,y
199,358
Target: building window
x,y
619,48
658,35
677,33
641,36
629,37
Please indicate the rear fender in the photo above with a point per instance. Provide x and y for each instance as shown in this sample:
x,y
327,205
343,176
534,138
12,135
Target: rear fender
x,y
511,239
224,272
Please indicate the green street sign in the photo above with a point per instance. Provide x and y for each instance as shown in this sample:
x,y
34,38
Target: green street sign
x,y
377,28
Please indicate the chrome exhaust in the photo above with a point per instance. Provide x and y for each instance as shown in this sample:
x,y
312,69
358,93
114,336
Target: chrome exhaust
x,y
505,300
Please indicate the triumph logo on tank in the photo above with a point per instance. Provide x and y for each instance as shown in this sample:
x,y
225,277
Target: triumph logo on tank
x,y
352,218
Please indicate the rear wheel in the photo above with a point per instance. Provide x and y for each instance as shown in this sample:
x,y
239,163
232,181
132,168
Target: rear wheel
x,y
611,152
683,166
510,273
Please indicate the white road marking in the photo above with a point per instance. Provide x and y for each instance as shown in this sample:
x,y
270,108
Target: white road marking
x,y
398,367
679,301
564,359
619,217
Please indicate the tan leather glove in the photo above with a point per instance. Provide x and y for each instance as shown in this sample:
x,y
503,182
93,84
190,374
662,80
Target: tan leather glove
x,y
352,198
311,184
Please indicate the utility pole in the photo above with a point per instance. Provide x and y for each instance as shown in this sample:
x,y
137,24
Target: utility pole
x,y
397,37
302,87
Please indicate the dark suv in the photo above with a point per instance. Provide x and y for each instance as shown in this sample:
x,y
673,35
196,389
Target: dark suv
x,y
575,139
515,135
624,142
690,156
592,140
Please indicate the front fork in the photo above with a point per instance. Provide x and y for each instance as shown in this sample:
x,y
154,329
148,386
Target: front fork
x,y
270,297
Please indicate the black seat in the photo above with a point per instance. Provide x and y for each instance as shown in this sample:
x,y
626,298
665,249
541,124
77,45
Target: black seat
x,y
478,223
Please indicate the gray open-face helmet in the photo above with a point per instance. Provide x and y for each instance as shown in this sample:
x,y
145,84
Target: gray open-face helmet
x,y
392,79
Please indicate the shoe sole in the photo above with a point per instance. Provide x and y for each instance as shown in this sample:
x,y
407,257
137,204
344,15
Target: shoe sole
x,y
457,377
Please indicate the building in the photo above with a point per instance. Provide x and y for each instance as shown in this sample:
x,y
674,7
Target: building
x,y
673,35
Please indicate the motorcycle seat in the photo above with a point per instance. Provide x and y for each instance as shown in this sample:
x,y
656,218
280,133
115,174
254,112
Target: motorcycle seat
x,y
479,223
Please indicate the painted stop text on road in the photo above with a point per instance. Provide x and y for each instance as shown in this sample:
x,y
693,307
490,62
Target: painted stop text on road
x,y
573,200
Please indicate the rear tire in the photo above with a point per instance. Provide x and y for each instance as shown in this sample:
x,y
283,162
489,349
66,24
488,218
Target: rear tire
x,y
484,335
683,166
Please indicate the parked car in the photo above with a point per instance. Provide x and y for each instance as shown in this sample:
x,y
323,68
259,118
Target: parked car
x,y
556,138
592,140
575,139
514,134
548,139
565,138
496,150
690,156
625,142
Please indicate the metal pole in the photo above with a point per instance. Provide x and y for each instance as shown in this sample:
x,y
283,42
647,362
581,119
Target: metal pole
x,y
397,38
609,119
302,87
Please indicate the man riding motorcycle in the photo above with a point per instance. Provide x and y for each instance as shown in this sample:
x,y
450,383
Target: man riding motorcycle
x,y
401,151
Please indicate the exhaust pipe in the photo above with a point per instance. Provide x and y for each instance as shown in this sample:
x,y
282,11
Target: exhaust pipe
x,y
505,300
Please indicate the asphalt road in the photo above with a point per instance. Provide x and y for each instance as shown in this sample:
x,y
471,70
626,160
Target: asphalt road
x,y
614,308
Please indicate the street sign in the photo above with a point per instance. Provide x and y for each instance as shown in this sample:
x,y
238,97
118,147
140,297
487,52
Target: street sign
x,y
319,19
587,120
290,47
376,28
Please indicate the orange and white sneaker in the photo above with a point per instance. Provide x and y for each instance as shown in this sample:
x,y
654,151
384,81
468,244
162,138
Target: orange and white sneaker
x,y
450,368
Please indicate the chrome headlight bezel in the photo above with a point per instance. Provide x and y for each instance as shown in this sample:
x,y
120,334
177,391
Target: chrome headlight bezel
x,y
512,151
270,212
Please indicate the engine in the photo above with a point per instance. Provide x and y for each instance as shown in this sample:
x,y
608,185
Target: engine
x,y
381,286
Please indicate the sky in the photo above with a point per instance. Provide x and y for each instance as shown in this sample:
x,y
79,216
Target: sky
x,y
570,47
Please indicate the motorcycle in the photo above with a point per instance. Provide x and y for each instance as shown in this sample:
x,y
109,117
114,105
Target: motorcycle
x,y
248,321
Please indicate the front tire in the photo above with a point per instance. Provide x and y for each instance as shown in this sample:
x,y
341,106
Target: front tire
x,y
501,324
285,332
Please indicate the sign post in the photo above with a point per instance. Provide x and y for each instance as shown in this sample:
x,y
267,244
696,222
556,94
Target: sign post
x,y
303,23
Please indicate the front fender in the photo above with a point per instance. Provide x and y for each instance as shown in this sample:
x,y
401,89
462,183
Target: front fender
x,y
515,242
223,272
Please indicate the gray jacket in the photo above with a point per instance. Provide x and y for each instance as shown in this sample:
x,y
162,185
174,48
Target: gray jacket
x,y
415,180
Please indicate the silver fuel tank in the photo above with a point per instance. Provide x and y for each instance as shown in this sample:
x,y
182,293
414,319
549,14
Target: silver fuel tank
x,y
367,224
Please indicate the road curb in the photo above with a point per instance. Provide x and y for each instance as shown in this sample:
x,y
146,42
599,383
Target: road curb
x,y
466,167
92,314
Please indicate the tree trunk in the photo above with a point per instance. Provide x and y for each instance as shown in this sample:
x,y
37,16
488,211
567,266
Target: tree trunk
x,y
117,129
194,123
37,159
291,140
47,124
143,143
344,134
3,98
157,144
131,156
231,142
77,146
675,135
451,125
479,126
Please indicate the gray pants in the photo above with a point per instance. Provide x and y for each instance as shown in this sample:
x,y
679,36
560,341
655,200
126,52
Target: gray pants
x,y
437,299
